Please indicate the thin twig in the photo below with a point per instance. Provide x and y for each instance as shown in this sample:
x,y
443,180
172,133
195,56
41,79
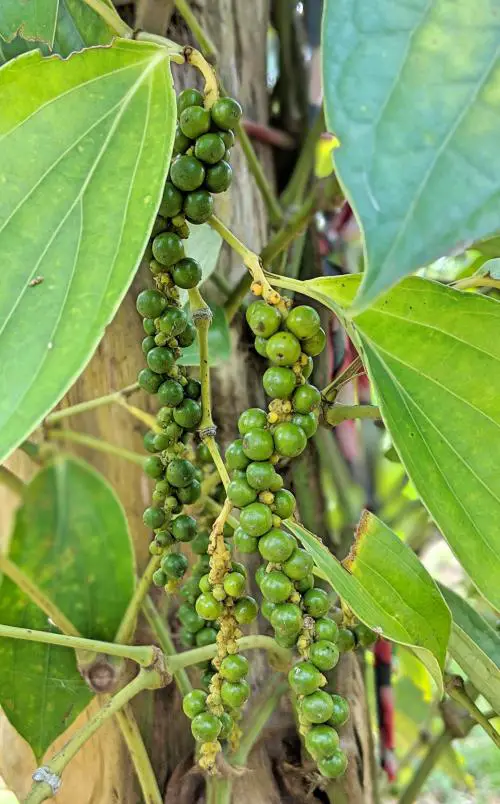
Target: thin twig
x,y
162,633
140,759
127,626
97,444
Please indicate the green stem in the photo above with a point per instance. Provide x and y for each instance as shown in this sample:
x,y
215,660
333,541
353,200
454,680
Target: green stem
x,y
11,481
477,282
436,749
83,407
189,657
139,756
353,370
202,317
207,47
318,198
335,414
237,297
127,626
160,628
455,688
142,654
146,679
17,576
304,166
259,715
111,17
215,508
97,444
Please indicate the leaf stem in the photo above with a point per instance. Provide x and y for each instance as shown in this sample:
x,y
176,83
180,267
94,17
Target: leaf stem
x,y
111,17
189,657
454,686
140,759
97,444
335,414
11,481
250,259
146,679
83,407
127,626
436,748
206,45
353,370
160,628
142,654
258,716
17,576
477,282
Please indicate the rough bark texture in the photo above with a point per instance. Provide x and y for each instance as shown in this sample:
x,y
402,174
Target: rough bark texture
x,y
102,772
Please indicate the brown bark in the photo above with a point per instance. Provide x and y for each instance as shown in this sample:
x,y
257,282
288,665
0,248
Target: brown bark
x,y
102,771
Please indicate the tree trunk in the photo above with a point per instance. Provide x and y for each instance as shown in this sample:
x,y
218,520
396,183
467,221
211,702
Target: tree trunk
x,y
102,771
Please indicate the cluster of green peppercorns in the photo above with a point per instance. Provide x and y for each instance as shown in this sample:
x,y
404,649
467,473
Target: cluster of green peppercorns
x,y
200,167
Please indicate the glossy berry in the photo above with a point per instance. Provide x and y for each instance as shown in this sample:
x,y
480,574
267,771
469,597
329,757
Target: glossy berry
x,y
303,321
160,359
277,545
299,565
170,394
208,607
187,173
188,97
263,319
164,415
278,382
150,303
218,177
190,590
364,635
304,584
235,457
308,422
260,346
226,112
202,452
317,707
234,667
153,466
148,441
186,273
209,148
307,370
206,636
181,142
326,628
251,419
188,335
289,439
204,583
287,618
315,344
261,475
149,325
234,584
168,248
304,678
276,587
321,741
234,693
159,578
240,493
184,528
148,343
283,349
245,610
340,712
258,444
153,518
256,519
206,727
169,436
227,138
316,602
148,380
227,725
188,414
267,609
172,200
193,703
174,565
346,640
194,121
190,620
306,398
324,655
333,766
173,321
244,542
285,640
180,472
198,206
189,494
284,503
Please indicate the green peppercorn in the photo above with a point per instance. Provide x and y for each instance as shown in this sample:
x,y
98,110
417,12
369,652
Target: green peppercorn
x,y
149,381
263,319
206,636
150,304
283,349
184,528
194,121
244,542
345,640
326,628
181,142
168,248
234,584
170,393
299,565
160,360
149,325
267,609
227,725
172,200
241,493
226,113
340,712
279,382
188,97
324,654
333,766
289,439
205,727
276,546
202,452
304,678
308,422
261,475
316,707
260,346
159,578
153,466
187,336
303,321
199,545
256,519
148,343
321,741
153,518
148,441
364,635
227,138
315,344
187,173
198,206
208,607
234,667
194,703
189,618
276,587
234,693
180,472
284,503
316,602
192,389
251,419
188,414
209,148
235,457
218,177
245,610
173,321
287,618
258,444
306,398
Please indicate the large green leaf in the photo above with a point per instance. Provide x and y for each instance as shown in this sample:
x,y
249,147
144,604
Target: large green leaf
x,y
71,538
31,19
475,646
86,144
433,354
411,91
388,588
